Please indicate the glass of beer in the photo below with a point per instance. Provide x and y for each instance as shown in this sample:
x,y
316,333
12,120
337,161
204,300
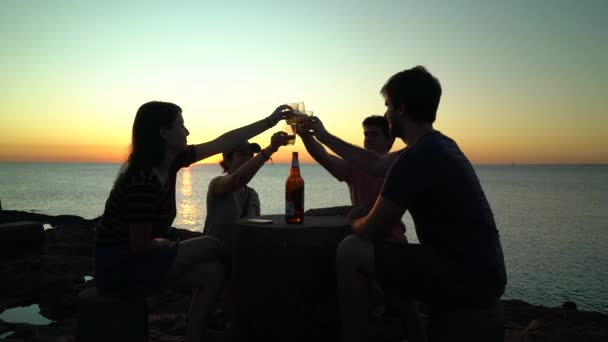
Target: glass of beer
x,y
291,130
298,109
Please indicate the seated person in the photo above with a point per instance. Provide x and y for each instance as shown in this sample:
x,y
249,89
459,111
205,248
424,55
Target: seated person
x,y
229,199
459,262
133,256
364,188
228,196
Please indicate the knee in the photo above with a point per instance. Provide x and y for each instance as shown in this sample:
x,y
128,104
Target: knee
x,y
210,247
215,269
355,252
211,241
211,271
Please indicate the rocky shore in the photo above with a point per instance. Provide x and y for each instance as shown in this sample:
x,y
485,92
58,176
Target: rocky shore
x,y
52,274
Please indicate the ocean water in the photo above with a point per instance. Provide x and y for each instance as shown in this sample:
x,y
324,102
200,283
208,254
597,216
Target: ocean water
x,y
553,219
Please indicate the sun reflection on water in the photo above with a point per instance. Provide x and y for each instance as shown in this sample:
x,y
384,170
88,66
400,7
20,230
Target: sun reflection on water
x,y
186,208
186,187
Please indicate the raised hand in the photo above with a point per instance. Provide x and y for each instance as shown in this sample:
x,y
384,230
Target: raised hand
x,y
280,113
279,139
311,125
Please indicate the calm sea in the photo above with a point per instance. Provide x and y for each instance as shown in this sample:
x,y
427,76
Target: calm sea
x,y
553,220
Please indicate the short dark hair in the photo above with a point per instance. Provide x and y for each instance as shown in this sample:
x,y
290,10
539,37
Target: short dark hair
x,y
417,90
382,123
378,121
243,147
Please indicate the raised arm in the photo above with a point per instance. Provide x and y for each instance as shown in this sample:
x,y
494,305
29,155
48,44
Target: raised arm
x,y
230,139
369,161
241,176
337,167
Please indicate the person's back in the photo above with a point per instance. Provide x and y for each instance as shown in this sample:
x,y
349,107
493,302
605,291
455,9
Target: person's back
x,y
448,206
459,262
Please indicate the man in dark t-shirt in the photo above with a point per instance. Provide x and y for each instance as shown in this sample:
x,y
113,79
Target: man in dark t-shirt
x,y
438,185
459,261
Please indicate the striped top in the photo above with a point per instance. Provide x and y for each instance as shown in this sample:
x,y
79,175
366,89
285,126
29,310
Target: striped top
x,y
139,197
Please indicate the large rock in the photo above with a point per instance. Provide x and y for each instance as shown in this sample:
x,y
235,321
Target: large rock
x,y
102,319
20,238
558,330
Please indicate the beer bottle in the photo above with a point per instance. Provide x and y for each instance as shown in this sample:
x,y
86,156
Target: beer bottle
x,y
294,193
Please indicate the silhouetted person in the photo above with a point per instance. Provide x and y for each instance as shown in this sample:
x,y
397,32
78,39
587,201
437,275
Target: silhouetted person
x,y
228,196
132,255
229,199
459,261
363,187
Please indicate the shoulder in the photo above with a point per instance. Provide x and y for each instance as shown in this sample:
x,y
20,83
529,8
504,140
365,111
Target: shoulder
x,y
252,191
215,179
212,182
185,158
426,146
135,178
437,140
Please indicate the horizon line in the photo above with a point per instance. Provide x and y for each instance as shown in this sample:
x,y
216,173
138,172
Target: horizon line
x,y
514,164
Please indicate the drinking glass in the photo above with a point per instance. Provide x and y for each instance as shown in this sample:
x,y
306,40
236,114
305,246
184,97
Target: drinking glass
x,y
297,106
291,130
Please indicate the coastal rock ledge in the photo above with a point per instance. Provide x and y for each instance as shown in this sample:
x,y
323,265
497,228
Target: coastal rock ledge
x,y
53,274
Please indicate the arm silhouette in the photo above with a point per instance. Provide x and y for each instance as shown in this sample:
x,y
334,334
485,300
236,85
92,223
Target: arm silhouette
x,y
336,166
241,176
230,139
371,162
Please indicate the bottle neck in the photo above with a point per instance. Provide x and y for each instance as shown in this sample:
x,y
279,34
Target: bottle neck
x,y
295,166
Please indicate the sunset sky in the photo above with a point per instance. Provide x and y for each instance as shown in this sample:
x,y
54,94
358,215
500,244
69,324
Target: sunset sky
x,y
523,81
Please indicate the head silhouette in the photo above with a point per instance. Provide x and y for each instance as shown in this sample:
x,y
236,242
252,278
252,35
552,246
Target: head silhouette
x,y
414,91
238,156
377,136
148,147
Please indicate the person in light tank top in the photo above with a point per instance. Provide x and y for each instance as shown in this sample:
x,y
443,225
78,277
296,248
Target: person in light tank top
x,y
228,196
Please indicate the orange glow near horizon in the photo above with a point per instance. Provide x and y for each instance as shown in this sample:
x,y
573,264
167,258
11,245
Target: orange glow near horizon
x,y
488,153
68,97
64,153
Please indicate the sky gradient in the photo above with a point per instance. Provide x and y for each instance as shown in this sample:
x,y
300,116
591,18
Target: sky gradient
x,y
523,81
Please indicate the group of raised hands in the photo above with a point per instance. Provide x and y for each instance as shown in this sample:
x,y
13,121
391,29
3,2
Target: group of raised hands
x,y
306,126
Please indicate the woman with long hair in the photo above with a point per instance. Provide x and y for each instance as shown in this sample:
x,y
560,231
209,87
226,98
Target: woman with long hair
x,y
132,254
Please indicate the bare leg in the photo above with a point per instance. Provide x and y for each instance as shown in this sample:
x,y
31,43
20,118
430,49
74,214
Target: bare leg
x,y
354,268
197,267
191,254
204,299
412,320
